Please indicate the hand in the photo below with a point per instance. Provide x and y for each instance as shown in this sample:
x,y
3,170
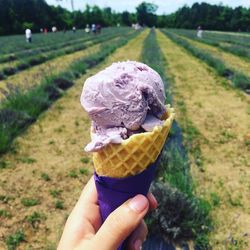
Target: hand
x,y
84,231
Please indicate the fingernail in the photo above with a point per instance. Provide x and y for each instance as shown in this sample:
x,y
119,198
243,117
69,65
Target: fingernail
x,y
138,245
152,197
138,203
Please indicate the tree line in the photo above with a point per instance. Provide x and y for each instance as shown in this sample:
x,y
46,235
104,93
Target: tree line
x,y
210,17
16,16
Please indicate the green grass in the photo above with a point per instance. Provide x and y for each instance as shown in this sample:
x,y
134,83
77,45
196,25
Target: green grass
x,y
59,129
55,193
50,246
14,240
59,204
5,198
4,213
73,173
30,202
225,136
85,160
174,169
3,164
235,201
192,142
84,171
215,199
45,177
35,219
27,160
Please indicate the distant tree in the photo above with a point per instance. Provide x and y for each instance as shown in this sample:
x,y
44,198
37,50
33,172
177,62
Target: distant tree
x,y
108,16
146,14
97,15
79,19
87,14
212,17
27,25
125,18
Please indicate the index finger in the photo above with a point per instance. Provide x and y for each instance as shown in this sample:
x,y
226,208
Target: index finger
x,y
86,210
89,193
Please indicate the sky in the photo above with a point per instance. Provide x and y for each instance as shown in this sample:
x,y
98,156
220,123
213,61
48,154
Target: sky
x,y
165,6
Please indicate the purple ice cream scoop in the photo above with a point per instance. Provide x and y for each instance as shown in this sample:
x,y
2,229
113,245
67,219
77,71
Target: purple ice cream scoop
x,y
125,98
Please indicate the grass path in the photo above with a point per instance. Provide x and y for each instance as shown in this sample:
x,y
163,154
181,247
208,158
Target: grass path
x,y
232,61
222,116
49,164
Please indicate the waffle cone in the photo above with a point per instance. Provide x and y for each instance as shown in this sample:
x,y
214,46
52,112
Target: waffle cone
x,y
134,154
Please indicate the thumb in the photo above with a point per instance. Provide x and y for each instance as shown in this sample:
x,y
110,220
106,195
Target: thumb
x,y
121,223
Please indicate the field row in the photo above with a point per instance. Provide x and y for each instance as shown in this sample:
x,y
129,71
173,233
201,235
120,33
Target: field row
x,y
45,46
38,56
17,43
234,68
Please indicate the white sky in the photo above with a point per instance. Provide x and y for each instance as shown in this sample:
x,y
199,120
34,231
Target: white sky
x,y
165,6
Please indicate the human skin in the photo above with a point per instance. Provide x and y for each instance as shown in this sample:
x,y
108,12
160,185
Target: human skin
x,y
84,228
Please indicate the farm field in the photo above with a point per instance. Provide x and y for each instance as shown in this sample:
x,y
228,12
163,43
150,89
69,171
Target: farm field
x,y
230,60
15,43
214,110
43,167
233,67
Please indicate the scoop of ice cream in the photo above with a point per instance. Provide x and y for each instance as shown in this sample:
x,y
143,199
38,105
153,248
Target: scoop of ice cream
x,y
125,98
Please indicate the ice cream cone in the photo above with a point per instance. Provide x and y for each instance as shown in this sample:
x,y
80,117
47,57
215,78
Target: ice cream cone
x,y
134,154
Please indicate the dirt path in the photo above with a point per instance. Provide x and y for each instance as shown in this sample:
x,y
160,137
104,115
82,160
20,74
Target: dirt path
x,y
232,61
222,116
52,149
34,75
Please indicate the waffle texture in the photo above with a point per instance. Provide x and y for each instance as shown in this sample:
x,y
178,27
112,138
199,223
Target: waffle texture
x,y
134,154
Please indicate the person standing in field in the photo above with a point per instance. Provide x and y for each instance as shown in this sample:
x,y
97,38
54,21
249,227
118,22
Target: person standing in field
x,y
93,28
87,28
199,32
98,28
54,29
74,29
28,35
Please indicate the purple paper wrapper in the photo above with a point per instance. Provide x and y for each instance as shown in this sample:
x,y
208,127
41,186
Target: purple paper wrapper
x,y
112,192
